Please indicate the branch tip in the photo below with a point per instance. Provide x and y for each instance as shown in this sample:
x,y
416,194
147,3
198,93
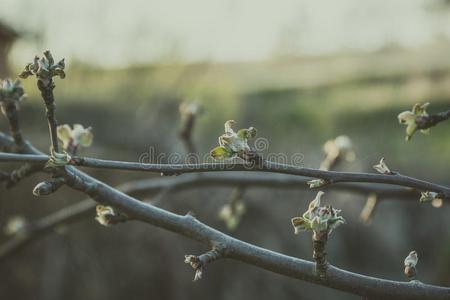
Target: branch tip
x,y
107,216
189,113
410,265
419,119
198,263
48,187
382,168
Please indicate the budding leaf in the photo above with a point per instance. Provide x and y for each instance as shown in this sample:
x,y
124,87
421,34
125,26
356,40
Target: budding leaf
x,y
78,136
411,260
420,109
318,224
104,215
315,183
382,168
318,218
44,68
221,153
409,118
428,196
196,264
300,224
247,133
232,143
64,133
315,203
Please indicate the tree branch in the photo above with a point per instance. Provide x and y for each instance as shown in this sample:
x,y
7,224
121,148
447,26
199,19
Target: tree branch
x,y
20,173
46,90
84,209
330,177
233,248
425,122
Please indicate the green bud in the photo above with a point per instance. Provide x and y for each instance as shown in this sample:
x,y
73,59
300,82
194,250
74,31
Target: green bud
x,y
318,218
78,136
315,183
231,143
105,214
382,168
409,119
221,153
44,68
428,196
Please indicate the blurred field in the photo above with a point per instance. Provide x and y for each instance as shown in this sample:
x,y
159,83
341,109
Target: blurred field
x,y
297,104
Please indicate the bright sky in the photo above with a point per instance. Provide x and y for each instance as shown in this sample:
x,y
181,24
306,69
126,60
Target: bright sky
x,y
118,32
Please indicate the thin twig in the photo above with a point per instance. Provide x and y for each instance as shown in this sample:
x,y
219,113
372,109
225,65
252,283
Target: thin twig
x,y
45,69
39,228
65,216
425,122
20,173
13,121
189,113
49,100
186,133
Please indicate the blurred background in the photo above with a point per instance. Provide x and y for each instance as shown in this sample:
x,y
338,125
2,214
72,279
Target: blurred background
x,y
301,72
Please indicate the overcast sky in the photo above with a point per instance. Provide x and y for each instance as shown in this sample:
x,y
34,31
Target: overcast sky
x,y
118,32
